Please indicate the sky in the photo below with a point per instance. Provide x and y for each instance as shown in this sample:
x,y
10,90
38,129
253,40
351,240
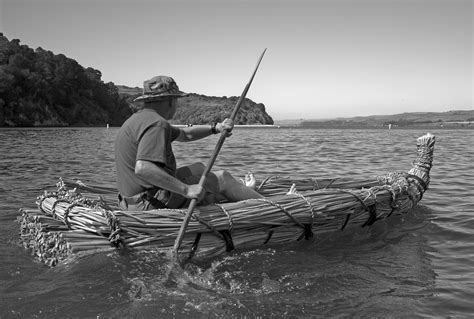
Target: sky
x,y
325,58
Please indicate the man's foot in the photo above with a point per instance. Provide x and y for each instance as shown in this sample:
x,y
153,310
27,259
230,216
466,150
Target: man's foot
x,y
292,190
250,180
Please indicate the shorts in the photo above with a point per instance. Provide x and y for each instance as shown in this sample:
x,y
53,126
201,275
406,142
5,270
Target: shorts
x,y
157,198
185,174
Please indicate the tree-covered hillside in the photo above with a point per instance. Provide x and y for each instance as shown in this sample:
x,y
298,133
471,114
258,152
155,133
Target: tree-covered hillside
x,y
40,88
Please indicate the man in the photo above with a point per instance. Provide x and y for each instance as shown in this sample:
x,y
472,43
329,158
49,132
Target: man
x,y
147,175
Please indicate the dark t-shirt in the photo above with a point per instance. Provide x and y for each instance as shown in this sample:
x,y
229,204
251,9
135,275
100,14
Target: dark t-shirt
x,y
144,136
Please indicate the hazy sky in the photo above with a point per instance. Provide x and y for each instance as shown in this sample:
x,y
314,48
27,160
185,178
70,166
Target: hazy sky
x,y
325,59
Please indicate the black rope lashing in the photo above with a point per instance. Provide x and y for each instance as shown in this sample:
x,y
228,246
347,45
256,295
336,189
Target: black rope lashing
x,y
270,234
420,184
393,203
40,204
308,228
194,247
370,209
311,207
115,230
412,199
425,164
307,233
283,209
315,184
53,208
372,215
425,156
330,183
231,222
209,226
391,212
419,180
226,238
355,196
346,220
66,214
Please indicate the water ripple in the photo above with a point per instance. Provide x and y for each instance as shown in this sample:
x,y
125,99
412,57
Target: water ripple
x,y
418,264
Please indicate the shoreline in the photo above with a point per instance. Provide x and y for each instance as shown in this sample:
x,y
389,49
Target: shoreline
x,y
268,126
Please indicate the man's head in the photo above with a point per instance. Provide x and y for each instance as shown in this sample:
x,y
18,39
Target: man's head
x,y
160,93
159,88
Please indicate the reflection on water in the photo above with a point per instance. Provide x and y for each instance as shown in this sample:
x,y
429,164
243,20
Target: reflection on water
x,y
419,264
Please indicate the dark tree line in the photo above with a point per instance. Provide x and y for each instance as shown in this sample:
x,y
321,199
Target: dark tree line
x,y
40,88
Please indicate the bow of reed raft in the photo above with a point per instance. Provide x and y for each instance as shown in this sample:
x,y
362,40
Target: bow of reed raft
x,y
78,218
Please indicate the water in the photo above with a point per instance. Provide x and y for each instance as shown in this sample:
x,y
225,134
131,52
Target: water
x,y
416,265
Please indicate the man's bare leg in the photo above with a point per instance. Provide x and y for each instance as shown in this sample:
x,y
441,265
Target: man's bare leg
x,y
234,190
229,188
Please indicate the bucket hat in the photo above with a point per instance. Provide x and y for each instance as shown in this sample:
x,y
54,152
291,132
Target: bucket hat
x,y
159,88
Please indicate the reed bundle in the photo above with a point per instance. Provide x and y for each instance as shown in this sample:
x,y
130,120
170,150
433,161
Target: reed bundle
x,y
68,222
50,240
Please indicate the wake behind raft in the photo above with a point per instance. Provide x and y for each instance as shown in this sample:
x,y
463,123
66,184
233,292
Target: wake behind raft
x,y
75,219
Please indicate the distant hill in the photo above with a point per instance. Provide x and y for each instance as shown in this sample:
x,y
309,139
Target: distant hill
x,y
461,119
450,116
203,109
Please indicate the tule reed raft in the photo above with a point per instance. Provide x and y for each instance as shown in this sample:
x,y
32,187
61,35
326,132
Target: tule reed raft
x,y
83,219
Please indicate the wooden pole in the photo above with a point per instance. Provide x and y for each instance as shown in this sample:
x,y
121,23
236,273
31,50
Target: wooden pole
x,y
211,161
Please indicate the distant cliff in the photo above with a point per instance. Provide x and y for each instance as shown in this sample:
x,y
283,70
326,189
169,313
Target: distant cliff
x,y
202,109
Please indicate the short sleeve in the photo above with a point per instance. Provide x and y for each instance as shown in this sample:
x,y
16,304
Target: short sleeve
x,y
175,131
153,145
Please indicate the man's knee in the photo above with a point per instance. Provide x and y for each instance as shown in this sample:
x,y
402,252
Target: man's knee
x,y
225,179
197,168
221,175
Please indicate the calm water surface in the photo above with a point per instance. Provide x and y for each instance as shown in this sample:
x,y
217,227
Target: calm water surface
x,y
417,265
